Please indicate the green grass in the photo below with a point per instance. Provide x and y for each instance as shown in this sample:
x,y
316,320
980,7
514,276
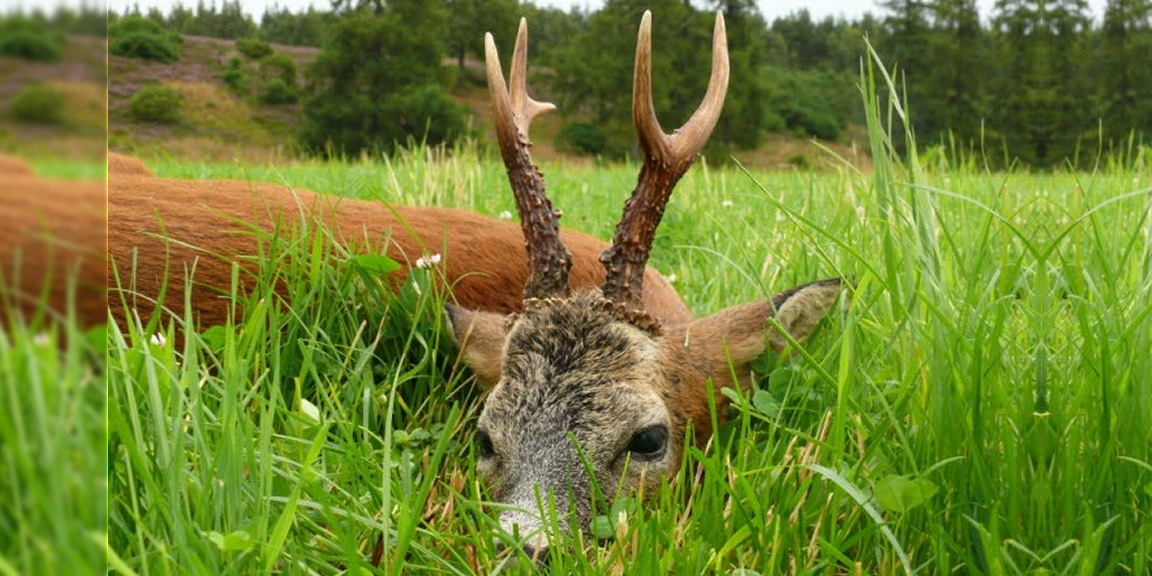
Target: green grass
x,y
982,406
53,460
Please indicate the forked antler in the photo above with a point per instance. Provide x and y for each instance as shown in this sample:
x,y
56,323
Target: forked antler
x,y
548,259
666,159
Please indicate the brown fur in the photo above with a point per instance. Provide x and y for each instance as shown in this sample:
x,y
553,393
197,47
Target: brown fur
x,y
206,223
123,165
51,232
13,166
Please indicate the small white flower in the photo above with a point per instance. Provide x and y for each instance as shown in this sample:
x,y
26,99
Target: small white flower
x,y
159,339
726,204
427,261
671,278
505,215
41,339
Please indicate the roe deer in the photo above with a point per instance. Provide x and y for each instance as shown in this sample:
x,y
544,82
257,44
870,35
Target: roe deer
x,y
595,377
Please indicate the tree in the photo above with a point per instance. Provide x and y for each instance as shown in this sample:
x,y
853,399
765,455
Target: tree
x,y
469,20
593,72
960,68
1125,70
1042,87
746,109
377,83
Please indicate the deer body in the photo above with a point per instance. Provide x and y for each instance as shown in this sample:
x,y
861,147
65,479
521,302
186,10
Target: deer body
x,y
593,384
51,245
168,229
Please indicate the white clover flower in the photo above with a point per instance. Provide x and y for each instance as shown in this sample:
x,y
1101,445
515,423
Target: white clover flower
x,y
159,340
505,215
726,204
41,339
671,278
427,261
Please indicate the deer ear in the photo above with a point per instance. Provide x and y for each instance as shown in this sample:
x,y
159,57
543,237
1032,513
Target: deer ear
x,y
480,336
800,309
737,334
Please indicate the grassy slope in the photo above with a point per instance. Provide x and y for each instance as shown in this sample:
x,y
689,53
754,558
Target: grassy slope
x,y
219,126
985,396
81,134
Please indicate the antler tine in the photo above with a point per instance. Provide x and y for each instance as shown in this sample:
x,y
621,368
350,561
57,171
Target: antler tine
x,y
666,159
548,259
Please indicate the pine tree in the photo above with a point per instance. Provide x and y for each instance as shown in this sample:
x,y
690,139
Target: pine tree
x,y
1125,71
1040,108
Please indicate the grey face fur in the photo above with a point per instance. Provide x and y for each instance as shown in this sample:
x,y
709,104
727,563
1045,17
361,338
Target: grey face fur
x,y
576,396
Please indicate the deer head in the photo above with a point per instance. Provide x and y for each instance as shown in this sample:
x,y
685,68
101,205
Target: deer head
x,y
589,384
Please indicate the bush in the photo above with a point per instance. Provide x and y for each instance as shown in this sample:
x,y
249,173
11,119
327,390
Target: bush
x,y
146,47
136,24
277,92
349,126
29,40
157,104
253,48
39,103
279,65
139,37
234,76
581,138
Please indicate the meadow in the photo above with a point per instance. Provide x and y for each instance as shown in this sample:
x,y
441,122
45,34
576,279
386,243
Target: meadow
x,y
981,405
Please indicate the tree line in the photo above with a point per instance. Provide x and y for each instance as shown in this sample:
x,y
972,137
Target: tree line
x,y
1037,83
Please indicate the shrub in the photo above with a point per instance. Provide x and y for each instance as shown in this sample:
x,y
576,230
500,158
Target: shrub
x,y
279,65
136,24
139,37
349,126
38,103
28,39
158,104
277,92
253,48
234,76
582,138
146,47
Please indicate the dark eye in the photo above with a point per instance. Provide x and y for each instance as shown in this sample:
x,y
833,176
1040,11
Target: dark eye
x,y
484,444
649,443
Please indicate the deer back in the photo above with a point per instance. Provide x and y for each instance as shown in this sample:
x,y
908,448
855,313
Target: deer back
x,y
51,245
162,230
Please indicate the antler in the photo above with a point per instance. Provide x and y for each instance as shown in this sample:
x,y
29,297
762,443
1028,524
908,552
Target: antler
x,y
666,159
548,259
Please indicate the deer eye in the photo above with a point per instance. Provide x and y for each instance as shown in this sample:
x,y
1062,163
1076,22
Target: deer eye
x,y
484,444
649,443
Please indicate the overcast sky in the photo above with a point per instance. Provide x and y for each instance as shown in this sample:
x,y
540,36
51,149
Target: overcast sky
x,y
771,9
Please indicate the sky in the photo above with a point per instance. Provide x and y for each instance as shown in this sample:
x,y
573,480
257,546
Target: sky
x,y
771,9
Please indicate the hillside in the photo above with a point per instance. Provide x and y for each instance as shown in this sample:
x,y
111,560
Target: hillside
x,y
79,133
218,124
